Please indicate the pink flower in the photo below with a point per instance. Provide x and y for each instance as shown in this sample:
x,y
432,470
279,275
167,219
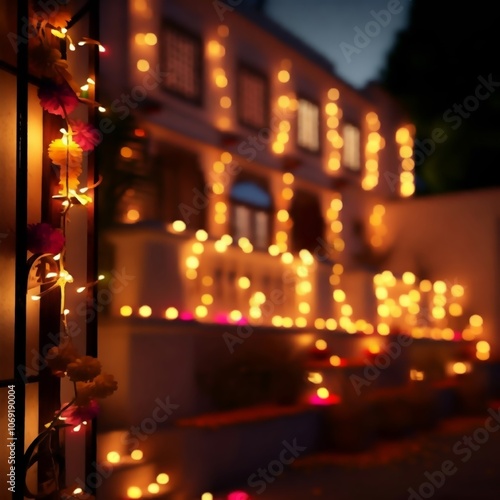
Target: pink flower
x,y
43,238
57,99
75,415
85,135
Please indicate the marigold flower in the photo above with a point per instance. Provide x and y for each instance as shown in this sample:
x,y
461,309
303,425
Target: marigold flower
x,y
43,238
69,157
83,369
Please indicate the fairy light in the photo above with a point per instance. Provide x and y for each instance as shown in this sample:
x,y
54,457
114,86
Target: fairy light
x,y
334,115
406,177
375,143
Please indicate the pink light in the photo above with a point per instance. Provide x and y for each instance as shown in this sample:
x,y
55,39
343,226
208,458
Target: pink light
x,y
186,316
222,318
457,336
242,321
332,399
238,495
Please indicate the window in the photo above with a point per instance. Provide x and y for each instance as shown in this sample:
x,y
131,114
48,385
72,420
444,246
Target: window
x,y
252,98
308,224
308,125
352,147
250,213
181,62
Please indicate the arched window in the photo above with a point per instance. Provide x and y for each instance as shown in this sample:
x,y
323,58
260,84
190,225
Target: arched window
x,y
251,208
308,224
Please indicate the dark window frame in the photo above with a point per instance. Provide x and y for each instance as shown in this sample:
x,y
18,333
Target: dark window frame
x,y
197,40
244,67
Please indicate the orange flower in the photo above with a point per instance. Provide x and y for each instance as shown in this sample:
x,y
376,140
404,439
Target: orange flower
x,y
69,157
58,358
104,385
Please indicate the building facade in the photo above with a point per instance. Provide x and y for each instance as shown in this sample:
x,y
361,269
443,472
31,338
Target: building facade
x,y
246,212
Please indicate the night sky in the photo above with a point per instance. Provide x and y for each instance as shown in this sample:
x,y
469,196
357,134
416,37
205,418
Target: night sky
x,y
330,26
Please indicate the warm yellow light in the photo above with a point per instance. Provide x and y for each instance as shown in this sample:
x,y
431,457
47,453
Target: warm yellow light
x,y
244,282
273,250
284,126
143,65
150,39
171,313
198,248
134,492
402,135
439,287
201,235
192,262
287,258
162,478
201,311
476,320
113,457
214,48
482,356
457,290
333,94
125,311
179,226
383,329
235,315
304,308
278,147
227,239
287,193
133,215
225,102
140,38
335,360
220,246
322,393
207,280
339,295
207,496
301,322
218,167
221,81
282,215
331,109
145,311
408,278
288,178
321,344
154,488
483,346
315,377
191,274
126,152
77,491
319,323
136,455
283,76
459,368
338,269
330,324
425,286
207,299
455,310
283,101
218,187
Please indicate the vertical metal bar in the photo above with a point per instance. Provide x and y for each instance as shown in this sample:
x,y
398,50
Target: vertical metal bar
x,y
21,244
92,253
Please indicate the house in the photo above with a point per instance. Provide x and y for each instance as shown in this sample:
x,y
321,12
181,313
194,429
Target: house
x,y
251,210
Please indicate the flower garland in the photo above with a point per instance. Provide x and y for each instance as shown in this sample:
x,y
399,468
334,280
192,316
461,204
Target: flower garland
x,y
59,95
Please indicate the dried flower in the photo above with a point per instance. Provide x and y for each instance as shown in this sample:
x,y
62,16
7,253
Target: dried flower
x,y
58,358
57,99
43,238
104,385
84,134
83,369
